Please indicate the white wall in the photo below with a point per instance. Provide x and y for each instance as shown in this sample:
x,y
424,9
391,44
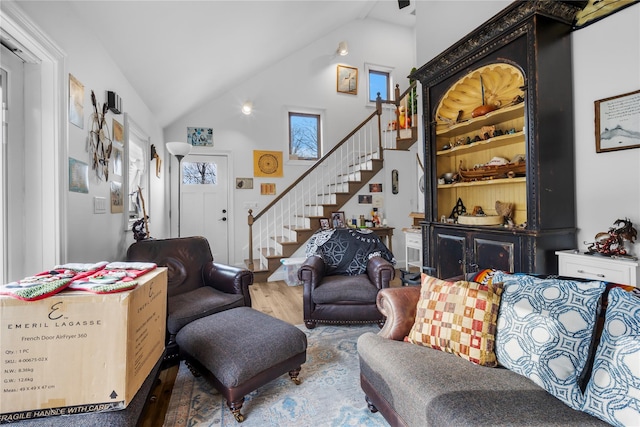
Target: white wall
x,y
306,78
606,62
94,237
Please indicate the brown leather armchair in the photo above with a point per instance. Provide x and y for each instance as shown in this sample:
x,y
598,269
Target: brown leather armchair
x,y
197,286
343,290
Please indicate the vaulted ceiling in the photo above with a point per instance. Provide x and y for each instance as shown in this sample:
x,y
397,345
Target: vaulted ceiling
x,y
178,54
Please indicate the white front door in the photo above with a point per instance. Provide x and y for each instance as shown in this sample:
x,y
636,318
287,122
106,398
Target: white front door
x,y
205,200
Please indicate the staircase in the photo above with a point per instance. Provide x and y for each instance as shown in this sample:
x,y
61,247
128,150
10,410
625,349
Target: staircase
x,y
290,219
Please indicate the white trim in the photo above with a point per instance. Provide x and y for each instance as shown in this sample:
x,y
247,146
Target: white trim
x,y
303,110
46,140
131,128
384,69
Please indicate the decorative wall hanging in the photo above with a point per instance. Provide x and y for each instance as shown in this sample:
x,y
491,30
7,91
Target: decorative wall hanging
x,y
364,199
618,122
78,176
200,137
596,10
394,181
244,183
347,80
267,163
76,102
375,188
268,189
117,161
117,199
100,144
118,132
155,156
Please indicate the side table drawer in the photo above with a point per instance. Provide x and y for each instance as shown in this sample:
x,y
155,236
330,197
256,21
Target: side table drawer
x,y
596,272
413,240
594,267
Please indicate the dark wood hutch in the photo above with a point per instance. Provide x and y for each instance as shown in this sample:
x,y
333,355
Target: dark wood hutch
x,y
520,60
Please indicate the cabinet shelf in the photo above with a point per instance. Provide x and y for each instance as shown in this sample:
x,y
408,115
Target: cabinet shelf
x,y
497,65
499,181
496,141
492,118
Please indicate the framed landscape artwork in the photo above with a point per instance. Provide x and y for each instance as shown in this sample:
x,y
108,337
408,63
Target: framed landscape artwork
x,y
618,122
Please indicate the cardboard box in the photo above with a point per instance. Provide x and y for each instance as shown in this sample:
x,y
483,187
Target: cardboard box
x,y
78,352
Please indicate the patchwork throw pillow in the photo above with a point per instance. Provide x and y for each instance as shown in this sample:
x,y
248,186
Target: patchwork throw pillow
x,y
459,318
612,393
545,329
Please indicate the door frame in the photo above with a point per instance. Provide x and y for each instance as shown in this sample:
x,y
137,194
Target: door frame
x,y
173,202
46,83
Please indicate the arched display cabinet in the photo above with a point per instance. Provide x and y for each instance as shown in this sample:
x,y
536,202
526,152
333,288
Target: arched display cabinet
x,y
502,92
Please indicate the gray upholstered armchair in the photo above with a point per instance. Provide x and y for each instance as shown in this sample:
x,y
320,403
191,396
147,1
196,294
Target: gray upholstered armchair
x,y
342,275
197,286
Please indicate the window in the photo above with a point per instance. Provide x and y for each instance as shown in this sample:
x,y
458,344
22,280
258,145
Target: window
x,y
380,81
304,136
199,173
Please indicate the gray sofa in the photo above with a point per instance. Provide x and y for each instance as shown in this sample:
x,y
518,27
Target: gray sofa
x,y
417,386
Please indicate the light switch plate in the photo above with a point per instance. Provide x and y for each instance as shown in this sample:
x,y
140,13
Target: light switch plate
x,y
99,205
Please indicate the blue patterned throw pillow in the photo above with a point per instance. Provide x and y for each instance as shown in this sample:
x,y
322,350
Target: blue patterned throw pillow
x,y
545,329
613,392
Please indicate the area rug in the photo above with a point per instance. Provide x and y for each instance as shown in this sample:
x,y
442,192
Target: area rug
x,y
329,395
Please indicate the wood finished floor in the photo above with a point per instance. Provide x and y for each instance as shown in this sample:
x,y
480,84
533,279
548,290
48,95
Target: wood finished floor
x,y
274,298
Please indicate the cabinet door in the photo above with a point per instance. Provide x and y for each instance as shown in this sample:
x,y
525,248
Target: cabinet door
x,y
493,253
450,254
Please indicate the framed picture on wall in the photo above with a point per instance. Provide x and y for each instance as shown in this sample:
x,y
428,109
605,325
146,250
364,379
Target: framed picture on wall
x,y
347,80
618,122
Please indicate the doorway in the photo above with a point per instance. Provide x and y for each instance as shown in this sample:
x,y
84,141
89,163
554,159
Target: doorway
x,y
42,229
205,201
12,154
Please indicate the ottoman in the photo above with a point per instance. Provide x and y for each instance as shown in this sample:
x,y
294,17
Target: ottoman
x,y
241,349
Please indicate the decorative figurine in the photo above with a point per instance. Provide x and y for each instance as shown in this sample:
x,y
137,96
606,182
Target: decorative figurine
x,y
611,243
139,229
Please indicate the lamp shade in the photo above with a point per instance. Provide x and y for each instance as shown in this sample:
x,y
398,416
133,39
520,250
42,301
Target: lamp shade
x,y
178,149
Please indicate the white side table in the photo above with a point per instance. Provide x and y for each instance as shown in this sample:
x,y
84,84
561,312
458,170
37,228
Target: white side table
x,y
573,263
413,248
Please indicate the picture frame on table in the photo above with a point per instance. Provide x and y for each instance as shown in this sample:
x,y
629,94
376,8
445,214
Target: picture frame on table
x,y
325,224
338,220
617,121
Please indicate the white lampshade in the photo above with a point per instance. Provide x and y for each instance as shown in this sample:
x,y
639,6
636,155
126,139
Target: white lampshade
x,y
343,49
179,149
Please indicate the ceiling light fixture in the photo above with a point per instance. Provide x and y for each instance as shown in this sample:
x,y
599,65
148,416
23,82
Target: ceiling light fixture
x,y
247,108
343,49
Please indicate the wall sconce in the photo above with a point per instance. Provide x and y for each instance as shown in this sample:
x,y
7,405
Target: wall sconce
x,y
247,108
343,49
179,150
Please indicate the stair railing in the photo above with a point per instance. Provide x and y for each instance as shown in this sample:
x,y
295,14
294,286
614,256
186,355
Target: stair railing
x,y
301,204
395,127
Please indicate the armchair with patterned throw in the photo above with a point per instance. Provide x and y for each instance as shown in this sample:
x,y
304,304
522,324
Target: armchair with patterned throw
x,y
344,270
197,286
